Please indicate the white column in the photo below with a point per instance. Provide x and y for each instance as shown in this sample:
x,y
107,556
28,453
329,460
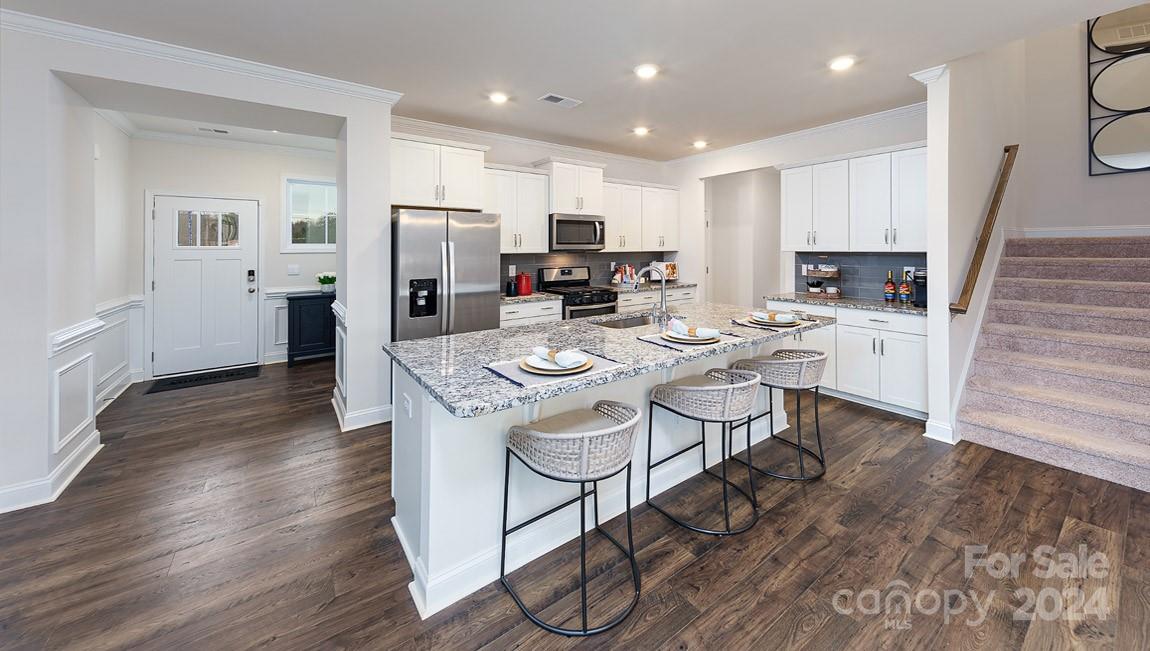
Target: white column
x,y
940,425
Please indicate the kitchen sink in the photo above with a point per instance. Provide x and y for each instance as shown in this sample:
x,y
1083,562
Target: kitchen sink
x,y
629,322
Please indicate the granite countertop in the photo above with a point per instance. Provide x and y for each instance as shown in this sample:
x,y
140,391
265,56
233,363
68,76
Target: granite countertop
x,y
649,286
853,303
535,297
451,368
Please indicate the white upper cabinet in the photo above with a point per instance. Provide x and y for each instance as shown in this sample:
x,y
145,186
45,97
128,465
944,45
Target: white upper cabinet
x,y
830,207
531,197
797,208
660,219
414,173
461,178
623,217
521,201
436,176
575,189
908,208
870,203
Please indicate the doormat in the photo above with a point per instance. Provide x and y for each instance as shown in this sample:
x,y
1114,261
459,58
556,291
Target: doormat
x,y
201,379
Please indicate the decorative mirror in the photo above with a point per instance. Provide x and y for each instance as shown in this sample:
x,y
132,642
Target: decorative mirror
x,y
1118,62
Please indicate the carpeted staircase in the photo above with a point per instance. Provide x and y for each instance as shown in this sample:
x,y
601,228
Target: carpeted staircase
x,y
1061,372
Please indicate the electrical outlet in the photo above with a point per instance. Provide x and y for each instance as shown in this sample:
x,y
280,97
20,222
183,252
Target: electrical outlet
x,y
511,270
908,270
293,270
612,267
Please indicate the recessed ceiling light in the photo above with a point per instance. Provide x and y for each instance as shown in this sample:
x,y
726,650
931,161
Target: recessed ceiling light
x,y
839,64
700,144
498,98
646,70
640,131
275,130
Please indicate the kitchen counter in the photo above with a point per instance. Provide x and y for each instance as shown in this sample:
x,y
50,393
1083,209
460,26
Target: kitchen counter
x,y
535,297
649,286
449,435
452,369
853,303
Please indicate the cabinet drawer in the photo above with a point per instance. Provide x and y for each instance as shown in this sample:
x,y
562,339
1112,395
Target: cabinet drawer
x,y
908,323
679,295
531,310
547,318
817,310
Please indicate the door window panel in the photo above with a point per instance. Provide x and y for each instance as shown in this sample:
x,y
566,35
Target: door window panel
x,y
214,229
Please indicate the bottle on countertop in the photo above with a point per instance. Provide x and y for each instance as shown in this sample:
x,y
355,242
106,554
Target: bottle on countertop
x,y
904,289
512,288
889,291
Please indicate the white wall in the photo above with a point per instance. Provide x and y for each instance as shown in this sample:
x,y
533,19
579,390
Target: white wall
x,y
118,262
743,236
203,169
895,127
512,150
1058,191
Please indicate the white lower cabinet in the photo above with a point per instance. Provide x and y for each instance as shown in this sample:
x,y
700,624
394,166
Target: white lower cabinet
x,y
903,370
875,355
858,361
516,314
643,300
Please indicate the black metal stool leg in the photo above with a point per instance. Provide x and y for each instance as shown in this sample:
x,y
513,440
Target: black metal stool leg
x,y
799,428
818,430
650,423
723,467
583,552
503,541
750,467
802,450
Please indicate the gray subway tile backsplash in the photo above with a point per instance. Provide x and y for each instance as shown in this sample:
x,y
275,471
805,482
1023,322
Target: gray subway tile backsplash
x,y
861,274
600,263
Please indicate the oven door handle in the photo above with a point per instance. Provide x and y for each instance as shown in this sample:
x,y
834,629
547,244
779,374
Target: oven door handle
x,y
568,310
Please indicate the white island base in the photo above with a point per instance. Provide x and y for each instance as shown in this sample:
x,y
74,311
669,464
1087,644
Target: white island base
x,y
447,477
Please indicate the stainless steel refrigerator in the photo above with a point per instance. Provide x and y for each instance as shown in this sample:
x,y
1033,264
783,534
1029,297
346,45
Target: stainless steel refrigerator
x,y
445,266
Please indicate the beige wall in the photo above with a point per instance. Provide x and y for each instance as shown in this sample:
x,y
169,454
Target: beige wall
x,y
162,166
743,245
1058,190
118,226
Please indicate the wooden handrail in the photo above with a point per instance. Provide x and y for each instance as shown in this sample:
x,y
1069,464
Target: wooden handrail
x,y
1010,152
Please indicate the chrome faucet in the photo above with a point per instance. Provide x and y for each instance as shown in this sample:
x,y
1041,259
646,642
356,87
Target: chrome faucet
x,y
658,313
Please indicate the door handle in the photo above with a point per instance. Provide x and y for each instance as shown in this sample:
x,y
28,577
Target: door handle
x,y
444,291
451,304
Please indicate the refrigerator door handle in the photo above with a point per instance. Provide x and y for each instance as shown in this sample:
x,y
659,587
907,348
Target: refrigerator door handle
x,y
445,290
451,301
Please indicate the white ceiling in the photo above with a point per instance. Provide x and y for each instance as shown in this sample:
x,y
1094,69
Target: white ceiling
x,y
734,70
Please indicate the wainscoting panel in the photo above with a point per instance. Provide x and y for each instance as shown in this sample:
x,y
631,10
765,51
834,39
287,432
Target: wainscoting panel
x,y
73,400
118,348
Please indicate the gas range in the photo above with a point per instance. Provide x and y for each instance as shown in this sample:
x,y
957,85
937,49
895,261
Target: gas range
x,y
580,297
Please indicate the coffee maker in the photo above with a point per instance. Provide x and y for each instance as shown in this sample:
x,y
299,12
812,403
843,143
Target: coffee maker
x,y
919,287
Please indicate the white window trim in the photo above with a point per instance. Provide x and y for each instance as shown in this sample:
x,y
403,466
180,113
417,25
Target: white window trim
x,y
286,245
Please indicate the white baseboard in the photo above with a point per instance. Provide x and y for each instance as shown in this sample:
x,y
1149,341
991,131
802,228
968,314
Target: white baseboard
x,y
1080,231
113,391
47,489
349,420
902,411
940,431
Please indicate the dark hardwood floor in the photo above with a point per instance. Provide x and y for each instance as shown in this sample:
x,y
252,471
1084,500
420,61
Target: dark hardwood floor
x,y
237,515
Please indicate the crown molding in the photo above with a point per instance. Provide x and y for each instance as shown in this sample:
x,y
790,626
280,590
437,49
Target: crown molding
x,y
401,126
928,76
38,25
118,120
899,113
220,143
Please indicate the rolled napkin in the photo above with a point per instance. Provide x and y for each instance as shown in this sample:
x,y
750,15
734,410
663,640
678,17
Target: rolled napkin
x,y
564,358
680,328
775,317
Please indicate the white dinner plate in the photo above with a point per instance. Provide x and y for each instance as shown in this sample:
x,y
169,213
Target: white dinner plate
x,y
543,364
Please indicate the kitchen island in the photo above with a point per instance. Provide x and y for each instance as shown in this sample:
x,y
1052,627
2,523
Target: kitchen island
x,y
449,431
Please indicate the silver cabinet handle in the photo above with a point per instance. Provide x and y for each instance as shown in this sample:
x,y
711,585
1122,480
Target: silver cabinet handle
x,y
895,239
444,192
882,347
872,346
886,236
879,320
512,312
814,237
544,309
808,238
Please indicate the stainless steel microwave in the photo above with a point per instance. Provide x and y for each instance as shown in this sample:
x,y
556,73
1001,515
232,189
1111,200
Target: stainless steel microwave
x,y
577,232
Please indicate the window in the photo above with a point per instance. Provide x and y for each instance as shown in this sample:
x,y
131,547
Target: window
x,y
215,228
309,216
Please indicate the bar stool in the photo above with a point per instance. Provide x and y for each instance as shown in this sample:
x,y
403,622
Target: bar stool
x,y
580,446
790,369
718,396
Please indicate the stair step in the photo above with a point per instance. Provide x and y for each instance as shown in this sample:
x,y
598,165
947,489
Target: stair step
x,y
1082,292
1115,382
1114,460
1131,321
1131,269
1094,416
1079,247
1104,348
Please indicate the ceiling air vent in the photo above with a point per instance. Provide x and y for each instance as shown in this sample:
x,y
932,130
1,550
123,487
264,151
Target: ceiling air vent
x,y
212,130
559,100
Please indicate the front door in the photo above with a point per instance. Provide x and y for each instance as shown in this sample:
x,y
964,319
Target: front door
x,y
205,296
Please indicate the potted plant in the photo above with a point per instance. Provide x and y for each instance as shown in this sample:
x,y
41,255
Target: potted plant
x,y
326,280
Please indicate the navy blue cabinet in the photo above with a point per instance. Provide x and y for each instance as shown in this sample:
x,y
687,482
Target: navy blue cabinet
x,y
311,326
